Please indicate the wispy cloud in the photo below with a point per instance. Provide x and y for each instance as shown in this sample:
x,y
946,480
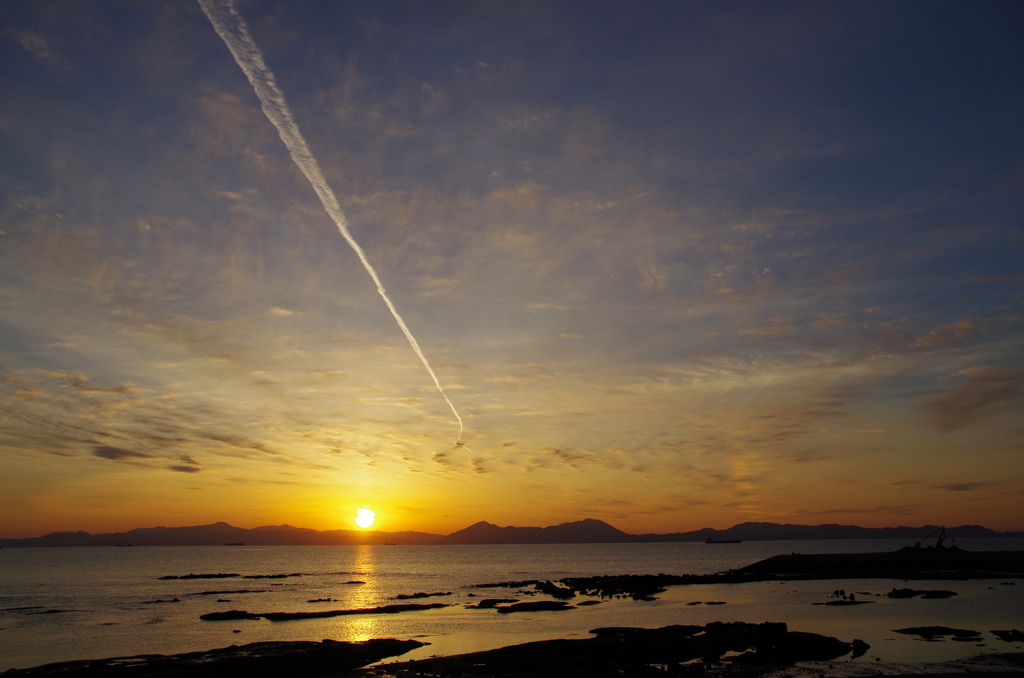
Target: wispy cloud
x,y
983,394
118,454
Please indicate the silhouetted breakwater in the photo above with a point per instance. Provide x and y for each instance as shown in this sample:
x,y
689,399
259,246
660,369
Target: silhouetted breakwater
x,y
903,564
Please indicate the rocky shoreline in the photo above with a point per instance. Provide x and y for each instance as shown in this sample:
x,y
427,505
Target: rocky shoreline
x,y
296,659
715,650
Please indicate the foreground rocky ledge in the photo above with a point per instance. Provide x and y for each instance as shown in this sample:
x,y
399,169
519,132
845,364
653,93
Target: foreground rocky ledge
x,y
719,650
296,659
628,652
611,652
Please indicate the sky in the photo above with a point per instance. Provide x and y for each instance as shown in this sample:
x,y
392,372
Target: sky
x,y
675,265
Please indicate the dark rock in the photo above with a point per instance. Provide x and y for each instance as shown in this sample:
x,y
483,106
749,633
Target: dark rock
x,y
912,593
287,616
536,606
255,660
413,596
1012,636
271,576
617,652
229,615
845,602
928,632
221,593
489,603
507,584
637,587
383,609
555,591
201,576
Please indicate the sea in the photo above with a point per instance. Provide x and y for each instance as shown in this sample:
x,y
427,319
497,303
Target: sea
x,y
68,603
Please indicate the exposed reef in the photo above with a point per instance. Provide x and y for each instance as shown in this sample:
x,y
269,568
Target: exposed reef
x,y
931,632
635,586
491,603
907,564
256,660
230,575
1011,636
287,616
913,593
619,652
420,594
536,606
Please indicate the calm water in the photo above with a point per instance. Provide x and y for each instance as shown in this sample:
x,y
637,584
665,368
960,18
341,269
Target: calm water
x,y
105,595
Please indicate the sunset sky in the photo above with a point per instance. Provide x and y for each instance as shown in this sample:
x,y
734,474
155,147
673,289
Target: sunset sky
x,y
676,265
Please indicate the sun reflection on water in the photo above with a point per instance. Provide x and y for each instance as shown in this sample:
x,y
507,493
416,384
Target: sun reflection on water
x,y
359,628
364,569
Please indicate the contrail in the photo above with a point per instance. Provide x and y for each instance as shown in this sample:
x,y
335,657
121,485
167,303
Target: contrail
x,y
234,31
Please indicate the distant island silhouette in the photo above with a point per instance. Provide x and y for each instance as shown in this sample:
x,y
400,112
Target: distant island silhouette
x,y
588,531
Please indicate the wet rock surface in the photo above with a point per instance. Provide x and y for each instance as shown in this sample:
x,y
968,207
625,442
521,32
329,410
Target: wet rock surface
x,y
536,606
491,603
320,614
1011,636
938,632
913,593
420,594
255,660
921,564
627,652
635,586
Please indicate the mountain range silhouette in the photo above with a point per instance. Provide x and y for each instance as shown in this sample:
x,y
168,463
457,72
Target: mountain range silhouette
x,y
578,532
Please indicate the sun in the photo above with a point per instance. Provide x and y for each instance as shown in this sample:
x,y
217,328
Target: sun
x,y
365,517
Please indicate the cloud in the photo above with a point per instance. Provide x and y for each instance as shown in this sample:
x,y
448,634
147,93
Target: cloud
x,y
961,487
37,45
184,469
119,454
284,312
983,394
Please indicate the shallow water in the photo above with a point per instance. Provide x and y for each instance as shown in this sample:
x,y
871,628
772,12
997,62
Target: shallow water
x,y
105,597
